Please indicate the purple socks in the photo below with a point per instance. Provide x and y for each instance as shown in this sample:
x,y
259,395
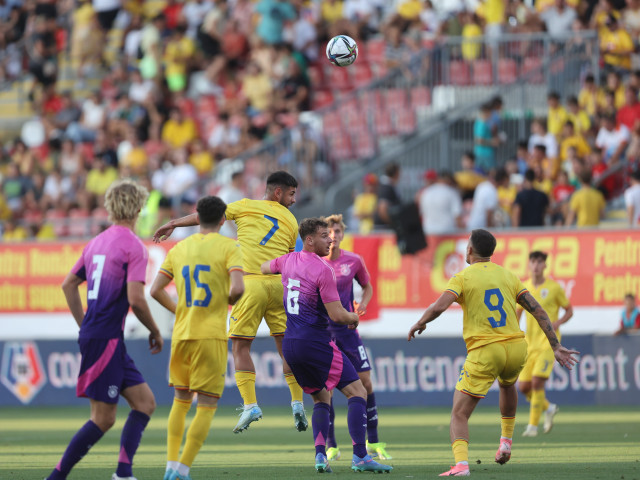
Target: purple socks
x,y
82,441
372,418
357,421
320,423
331,438
130,440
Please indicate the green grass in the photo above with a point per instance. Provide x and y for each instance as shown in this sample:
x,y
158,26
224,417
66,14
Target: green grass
x,y
586,443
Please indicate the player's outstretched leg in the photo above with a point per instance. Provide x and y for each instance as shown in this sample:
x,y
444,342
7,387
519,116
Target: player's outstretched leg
x,y
549,415
356,415
82,441
333,452
320,426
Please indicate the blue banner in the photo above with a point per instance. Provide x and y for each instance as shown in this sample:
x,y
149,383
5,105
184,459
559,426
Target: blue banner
x,y
422,372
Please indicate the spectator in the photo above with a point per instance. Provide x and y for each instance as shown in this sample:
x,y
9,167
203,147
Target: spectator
x,y
559,20
14,187
151,47
396,52
141,91
530,206
579,118
257,89
632,199
631,18
365,203
630,321
70,159
616,46
615,86
485,200
388,196
93,117
469,177
273,15
13,232
471,31
178,58
303,36
180,180
587,205
561,193
571,139
224,136
232,192
99,179
629,114
612,140
178,131
440,206
588,96
293,93
540,136
485,142
235,45
522,156
194,12
557,116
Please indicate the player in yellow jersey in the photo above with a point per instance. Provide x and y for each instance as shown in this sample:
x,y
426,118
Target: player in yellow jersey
x,y
207,270
266,230
496,347
540,358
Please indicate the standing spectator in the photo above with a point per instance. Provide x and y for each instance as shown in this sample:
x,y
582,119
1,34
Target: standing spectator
x,y
559,20
106,11
232,192
194,12
257,89
388,196
587,204
304,36
485,200
540,136
151,47
440,206
629,114
469,177
178,57
588,96
99,179
530,206
616,46
365,203
273,15
178,131
572,140
561,193
485,142
557,116
632,199
578,116
612,140
630,320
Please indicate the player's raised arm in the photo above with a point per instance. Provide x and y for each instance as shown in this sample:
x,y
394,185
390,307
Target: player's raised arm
x,y
135,295
165,231
160,294
562,354
236,290
338,314
431,313
70,287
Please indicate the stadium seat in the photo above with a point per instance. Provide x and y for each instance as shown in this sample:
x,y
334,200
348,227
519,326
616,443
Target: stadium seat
x,y
375,50
332,123
459,73
381,69
316,76
382,124
340,78
321,99
362,74
99,220
396,99
420,97
482,72
339,146
533,64
207,105
78,222
365,145
507,71
406,121
371,100
58,220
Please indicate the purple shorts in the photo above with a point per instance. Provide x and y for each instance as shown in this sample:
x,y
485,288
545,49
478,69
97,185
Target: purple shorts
x,y
105,370
318,365
351,345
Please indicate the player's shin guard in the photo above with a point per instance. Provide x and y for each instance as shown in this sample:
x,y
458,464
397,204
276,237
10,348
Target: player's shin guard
x,y
246,382
460,448
537,406
357,422
197,433
320,424
294,388
130,441
372,418
175,428
79,445
331,437
507,424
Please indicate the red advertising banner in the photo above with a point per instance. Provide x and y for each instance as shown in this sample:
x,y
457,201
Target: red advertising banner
x,y
595,267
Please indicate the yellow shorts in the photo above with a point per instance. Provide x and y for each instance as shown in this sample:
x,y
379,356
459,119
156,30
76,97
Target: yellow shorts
x,y
262,299
501,360
198,365
539,364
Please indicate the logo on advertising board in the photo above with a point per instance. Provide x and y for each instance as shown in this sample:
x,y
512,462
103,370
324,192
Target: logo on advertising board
x,y
21,370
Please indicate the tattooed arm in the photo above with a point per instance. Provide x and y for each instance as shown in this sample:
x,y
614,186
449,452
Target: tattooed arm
x,y
562,354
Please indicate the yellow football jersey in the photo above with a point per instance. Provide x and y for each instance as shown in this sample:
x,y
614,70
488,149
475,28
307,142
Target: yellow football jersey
x,y
487,294
200,266
266,230
551,297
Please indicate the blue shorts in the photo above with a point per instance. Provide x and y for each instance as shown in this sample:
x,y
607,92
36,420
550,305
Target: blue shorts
x,y
351,345
105,369
318,365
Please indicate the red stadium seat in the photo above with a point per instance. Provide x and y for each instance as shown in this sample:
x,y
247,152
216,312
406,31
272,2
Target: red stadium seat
x,y
339,78
78,222
396,99
507,71
482,72
321,99
316,75
375,50
339,146
57,218
533,64
406,121
99,220
382,124
420,97
371,100
362,74
207,105
381,69
332,123
365,145
459,73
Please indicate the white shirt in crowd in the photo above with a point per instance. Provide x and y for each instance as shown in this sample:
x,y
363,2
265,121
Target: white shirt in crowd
x,y
139,92
632,201
485,200
548,140
610,140
194,13
106,5
440,206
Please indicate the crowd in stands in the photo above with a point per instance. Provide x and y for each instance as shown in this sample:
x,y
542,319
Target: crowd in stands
x,y
188,85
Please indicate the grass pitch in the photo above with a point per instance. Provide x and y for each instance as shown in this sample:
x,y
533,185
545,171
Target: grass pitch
x,y
586,443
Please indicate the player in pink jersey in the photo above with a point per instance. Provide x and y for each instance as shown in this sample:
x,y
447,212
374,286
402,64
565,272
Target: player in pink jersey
x,y
349,266
114,265
311,301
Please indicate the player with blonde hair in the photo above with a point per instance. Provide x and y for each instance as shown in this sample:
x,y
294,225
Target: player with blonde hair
x,y
349,266
114,265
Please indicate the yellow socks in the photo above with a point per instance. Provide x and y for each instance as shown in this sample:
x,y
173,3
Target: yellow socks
x,y
246,382
538,401
460,449
175,427
507,424
197,433
296,390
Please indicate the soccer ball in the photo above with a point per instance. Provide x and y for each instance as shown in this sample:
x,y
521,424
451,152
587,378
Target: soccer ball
x,y
342,50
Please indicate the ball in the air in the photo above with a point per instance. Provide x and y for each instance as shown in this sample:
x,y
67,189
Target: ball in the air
x,y
342,50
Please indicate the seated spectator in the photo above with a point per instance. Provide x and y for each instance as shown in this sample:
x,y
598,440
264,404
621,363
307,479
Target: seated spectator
x,y
257,88
612,139
92,118
614,85
396,52
588,96
224,136
531,205
557,116
629,113
522,157
586,206
14,187
630,321
540,136
235,45
364,205
616,46
178,131
178,58
293,93
577,116
560,195
141,91
571,139
13,232
70,160
440,206
201,158
472,32
99,179
68,112
603,10
559,20
469,177
303,36
632,199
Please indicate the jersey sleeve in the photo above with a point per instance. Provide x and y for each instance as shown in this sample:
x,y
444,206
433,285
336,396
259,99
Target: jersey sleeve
x,y
137,264
234,258
519,287
563,301
328,286
167,266
233,210
277,264
362,274
455,287
79,269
